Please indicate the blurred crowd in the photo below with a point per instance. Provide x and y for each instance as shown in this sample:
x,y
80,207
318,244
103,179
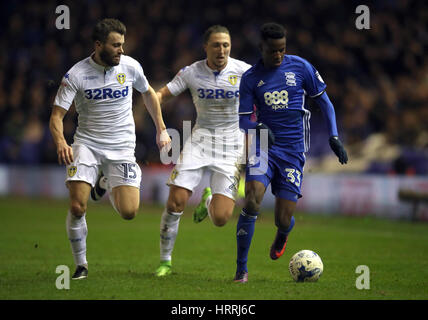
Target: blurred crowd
x,y
377,79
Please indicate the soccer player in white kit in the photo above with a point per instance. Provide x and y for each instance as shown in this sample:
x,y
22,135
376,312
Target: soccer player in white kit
x,y
101,88
216,144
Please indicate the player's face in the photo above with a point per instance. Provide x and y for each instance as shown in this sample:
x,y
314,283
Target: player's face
x,y
273,51
112,49
218,50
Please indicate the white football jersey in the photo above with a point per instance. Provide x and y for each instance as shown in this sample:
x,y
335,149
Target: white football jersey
x,y
215,94
103,100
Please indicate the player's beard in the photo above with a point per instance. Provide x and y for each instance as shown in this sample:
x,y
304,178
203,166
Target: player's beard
x,y
107,58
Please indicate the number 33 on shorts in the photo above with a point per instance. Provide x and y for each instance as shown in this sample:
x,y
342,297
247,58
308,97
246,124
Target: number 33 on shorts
x,y
293,176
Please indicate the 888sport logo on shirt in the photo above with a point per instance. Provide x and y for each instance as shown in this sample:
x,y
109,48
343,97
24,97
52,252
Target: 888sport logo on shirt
x,y
276,99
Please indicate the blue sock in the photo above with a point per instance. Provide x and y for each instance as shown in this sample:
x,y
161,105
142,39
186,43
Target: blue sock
x,y
244,235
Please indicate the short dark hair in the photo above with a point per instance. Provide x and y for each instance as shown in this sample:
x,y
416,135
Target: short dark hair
x,y
104,27
215,29
272,30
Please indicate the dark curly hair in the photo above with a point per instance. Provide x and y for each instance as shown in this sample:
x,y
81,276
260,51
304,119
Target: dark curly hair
x,y
104,27
272,30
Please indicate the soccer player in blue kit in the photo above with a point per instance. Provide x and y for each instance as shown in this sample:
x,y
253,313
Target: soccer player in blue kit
x,y
278,85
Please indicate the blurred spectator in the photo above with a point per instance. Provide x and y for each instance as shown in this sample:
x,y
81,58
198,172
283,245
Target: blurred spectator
x,y
377,78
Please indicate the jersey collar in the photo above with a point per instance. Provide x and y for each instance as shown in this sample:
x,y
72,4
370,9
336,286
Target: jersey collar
x,y
213,71
98,66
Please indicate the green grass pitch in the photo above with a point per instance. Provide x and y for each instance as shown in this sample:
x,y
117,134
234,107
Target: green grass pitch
x,y
123,255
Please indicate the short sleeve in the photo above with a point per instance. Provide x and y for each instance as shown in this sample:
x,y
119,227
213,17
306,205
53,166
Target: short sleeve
x,y
140,82
313,83
66,91
179,83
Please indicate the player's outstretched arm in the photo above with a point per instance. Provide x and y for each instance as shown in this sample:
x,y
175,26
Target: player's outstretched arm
x,y
64,151
151,101
336,145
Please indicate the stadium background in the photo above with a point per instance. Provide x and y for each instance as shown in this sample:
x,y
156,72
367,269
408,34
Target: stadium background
x,y
377,80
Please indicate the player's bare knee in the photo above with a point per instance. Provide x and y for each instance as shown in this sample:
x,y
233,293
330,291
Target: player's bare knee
x,y
253,200
251,204
219,222
128,214
77,209
220,212
177,199
220,219
175,205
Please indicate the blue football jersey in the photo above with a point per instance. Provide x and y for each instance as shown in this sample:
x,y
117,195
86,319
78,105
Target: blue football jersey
x,y
279,95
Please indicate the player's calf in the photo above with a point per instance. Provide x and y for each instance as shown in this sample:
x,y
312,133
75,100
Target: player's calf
x,y
284,218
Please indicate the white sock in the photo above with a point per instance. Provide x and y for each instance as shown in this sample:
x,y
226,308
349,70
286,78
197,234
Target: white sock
x,y
207,205
77,231
168,233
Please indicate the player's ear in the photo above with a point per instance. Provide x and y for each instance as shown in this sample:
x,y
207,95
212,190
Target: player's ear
x,y
98,44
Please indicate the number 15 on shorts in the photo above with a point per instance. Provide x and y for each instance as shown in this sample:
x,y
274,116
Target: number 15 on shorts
x,y
293,176
129,170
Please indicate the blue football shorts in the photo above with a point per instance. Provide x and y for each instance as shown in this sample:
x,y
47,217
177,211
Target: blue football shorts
x,y
283,170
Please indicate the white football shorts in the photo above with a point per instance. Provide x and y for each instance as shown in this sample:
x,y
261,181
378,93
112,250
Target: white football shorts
x,y
224,161
119,166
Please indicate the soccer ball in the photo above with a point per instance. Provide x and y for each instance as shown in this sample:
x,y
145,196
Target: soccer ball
x,y
306,265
